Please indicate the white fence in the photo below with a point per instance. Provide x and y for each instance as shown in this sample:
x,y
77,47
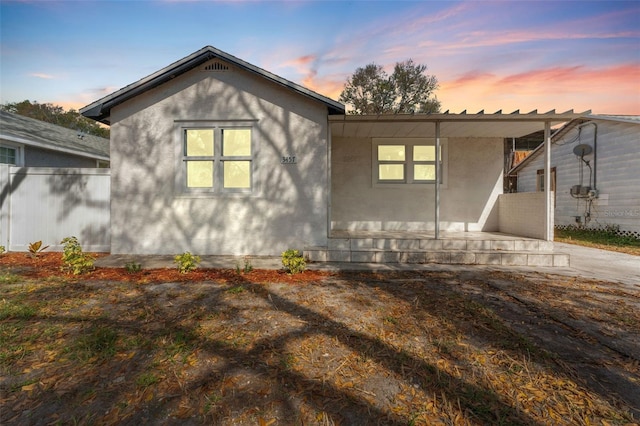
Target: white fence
x,y
49,204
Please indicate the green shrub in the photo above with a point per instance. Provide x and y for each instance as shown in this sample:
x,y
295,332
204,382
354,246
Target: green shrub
x,y
74,260
2,249
132,267
293,262
186,262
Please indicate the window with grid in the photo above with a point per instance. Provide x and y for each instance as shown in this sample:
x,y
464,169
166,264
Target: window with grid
x,y
405,161
8,155
218,159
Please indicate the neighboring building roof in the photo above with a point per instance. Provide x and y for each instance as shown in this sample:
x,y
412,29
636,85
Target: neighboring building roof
x,y
633,119
40,134
100,110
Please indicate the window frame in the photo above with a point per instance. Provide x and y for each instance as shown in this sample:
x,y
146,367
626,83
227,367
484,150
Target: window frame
x,y
540,180
218,159
409,162
19,153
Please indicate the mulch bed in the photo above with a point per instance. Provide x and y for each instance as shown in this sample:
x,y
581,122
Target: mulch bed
x,y
48,264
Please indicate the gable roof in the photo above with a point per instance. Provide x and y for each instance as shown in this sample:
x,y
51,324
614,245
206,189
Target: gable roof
x,y
633,119
100,110
31,132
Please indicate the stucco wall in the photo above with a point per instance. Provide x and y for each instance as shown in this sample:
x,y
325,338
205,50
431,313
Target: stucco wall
x,y
468,198
523,214
288,205
616,167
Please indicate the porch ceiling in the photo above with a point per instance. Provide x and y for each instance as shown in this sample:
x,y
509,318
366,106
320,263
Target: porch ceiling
x,y
478,125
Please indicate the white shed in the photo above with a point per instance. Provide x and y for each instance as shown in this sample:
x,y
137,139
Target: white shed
x,y
595,173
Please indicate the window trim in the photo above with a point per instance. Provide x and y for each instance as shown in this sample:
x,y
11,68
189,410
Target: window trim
x,y
408,162
217,189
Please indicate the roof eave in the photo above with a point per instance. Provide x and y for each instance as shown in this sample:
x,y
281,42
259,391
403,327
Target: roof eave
x,y
550,116
100,109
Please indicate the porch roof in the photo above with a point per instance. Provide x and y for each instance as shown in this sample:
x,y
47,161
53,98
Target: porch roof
x,y
451,125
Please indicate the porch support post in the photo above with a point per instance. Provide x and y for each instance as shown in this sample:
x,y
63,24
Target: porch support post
x,y
437,189
548,207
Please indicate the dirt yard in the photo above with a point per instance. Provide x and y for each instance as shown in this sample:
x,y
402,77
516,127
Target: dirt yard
x,y
264,348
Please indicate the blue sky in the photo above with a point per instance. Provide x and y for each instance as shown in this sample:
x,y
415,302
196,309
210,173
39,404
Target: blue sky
x,y
486,55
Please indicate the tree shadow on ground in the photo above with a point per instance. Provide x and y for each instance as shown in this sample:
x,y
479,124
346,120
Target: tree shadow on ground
x,y
221,352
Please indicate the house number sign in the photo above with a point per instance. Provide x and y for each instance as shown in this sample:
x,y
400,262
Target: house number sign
x,y
290,159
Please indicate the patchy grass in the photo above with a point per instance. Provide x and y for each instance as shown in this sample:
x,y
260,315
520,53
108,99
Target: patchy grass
x,y
604,239
403,348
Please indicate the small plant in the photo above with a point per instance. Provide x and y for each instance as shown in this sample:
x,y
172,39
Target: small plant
x,y
132,267
35,248
2,250
293,261
187,262
74,259
248,267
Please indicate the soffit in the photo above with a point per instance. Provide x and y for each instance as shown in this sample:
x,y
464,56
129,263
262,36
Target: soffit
x,y
451,125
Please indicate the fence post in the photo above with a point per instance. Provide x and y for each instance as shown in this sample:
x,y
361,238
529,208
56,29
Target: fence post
x,y
5,204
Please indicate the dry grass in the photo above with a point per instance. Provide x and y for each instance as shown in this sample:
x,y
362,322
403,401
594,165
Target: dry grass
x,y
398,349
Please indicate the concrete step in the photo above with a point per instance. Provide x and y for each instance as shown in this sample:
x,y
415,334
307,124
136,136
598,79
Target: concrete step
x,y
413,244
510,257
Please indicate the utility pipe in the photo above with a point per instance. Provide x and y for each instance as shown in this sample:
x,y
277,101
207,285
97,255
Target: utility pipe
x,y
595,150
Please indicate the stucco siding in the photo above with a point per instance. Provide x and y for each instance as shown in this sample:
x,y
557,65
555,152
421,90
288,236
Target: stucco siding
x,y
287,207
472,183
615,172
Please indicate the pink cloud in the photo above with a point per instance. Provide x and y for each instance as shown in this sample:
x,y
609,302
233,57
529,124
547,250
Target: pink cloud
x,y
42,75
613,90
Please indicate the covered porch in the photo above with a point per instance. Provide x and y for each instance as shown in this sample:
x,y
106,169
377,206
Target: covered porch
x,y
443,207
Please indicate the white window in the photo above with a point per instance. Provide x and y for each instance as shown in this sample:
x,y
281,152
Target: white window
x,y
406,161
217,159
11,154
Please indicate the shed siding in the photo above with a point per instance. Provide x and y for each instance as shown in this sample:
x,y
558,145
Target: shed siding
x,y
36,157
288,205
616,172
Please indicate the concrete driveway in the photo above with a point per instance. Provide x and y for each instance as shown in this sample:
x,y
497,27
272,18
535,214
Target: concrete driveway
x,y
600,264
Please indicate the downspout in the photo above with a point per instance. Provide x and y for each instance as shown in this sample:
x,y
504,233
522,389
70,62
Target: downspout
x,y
437,190
595,151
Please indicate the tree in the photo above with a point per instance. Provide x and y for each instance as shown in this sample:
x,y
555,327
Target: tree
x,y
370,90
55,114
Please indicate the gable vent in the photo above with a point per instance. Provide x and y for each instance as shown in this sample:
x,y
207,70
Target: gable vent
x,y
216,66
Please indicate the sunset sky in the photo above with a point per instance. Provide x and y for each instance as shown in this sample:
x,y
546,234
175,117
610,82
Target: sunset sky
x,y
516,55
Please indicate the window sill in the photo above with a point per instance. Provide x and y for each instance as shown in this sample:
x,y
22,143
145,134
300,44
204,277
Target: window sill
x,y
225,194
408,186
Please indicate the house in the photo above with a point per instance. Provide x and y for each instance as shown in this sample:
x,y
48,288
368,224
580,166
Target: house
x,y
214,155
594,173
27,142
